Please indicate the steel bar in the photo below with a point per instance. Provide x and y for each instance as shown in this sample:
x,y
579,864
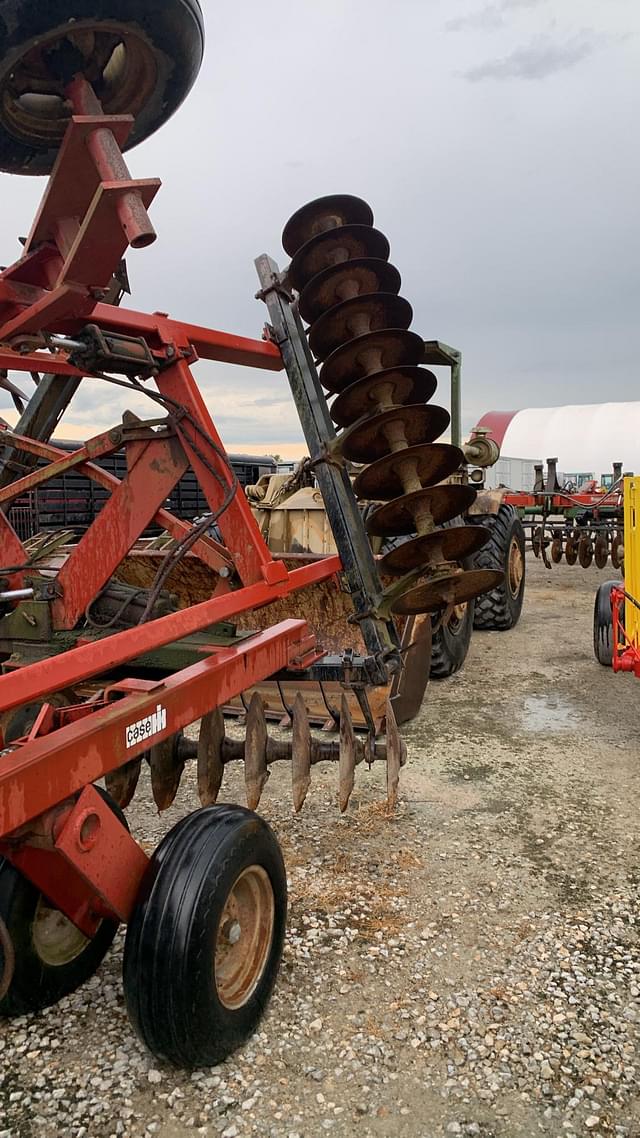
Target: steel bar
x,y
91,659
103,740
379,635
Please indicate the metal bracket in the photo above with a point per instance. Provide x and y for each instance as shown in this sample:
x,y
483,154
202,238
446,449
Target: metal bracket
x,y
344,515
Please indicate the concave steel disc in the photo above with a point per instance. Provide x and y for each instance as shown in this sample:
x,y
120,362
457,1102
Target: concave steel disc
x,y
453,544
343,281
397,518
392,347
431,461
356,317
322,214
348,243
456,589
369,439
398,385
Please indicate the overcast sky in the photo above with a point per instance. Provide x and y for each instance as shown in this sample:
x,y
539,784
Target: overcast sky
x,y
496,142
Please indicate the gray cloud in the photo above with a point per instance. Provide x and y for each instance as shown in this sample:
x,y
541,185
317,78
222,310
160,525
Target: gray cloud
x,y
489,18
511,208
541,58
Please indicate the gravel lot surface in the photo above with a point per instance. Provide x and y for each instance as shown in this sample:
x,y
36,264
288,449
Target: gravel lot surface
x,y
470,966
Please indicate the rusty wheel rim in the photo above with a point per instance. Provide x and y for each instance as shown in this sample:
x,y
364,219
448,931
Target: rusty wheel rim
x,y
33,106
515,567
244,938
55,938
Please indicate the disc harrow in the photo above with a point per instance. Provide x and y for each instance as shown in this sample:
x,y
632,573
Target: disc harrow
x,y
213,750
359,330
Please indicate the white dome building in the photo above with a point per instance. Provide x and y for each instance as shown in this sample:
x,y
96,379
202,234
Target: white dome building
x,y
585,438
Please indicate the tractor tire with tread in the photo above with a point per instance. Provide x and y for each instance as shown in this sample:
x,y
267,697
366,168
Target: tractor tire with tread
x,y
505,551
189,999
450,643
603,624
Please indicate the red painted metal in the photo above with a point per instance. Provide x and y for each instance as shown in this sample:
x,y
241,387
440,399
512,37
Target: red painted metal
x,y
45,771
85,863
497,423
208,550
626,654
72,667
237,524
79,854
125,515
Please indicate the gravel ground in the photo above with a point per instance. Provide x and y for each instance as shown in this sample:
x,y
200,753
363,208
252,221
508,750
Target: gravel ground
x,y
470,966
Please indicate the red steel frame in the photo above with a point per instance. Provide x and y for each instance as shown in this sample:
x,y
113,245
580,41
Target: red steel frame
x,y
53,825
626,654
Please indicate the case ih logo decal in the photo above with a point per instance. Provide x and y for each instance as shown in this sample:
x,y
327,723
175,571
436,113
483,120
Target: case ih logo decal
x,y
145,728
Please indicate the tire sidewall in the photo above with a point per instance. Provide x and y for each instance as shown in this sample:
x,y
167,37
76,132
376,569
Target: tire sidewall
x,y
169,974
175,31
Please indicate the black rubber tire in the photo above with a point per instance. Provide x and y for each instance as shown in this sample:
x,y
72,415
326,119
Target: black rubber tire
x,y
500,609
450,644
170,35
37,984
603,624
169,976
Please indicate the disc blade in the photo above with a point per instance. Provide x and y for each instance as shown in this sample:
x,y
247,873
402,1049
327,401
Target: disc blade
x,y
454,589
372,438
335,247
396,756
256,771
348,279
453,544
397,518
392,347
300,753
210,765
601,551
166,769
429,463
347,761
121,784
321,214
357,317
393,386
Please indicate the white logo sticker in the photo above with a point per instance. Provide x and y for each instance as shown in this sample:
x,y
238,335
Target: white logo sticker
x,y
145,728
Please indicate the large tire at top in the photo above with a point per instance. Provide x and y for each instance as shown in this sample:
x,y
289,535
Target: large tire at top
x,y
141,56
603,624
505,551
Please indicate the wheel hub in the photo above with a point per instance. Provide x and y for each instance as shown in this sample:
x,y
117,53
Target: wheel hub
x,y
515,567
115,59
245,935
55,938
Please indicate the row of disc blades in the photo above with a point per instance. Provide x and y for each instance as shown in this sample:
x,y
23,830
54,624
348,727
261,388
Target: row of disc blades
x,y
359,331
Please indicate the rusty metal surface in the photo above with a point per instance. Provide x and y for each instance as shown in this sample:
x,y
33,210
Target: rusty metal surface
x,y
398,517
453,589
340,282
323,214
395,385
331,248
370,439
210,765
372,352
300,753
453,544
426,463
356,317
